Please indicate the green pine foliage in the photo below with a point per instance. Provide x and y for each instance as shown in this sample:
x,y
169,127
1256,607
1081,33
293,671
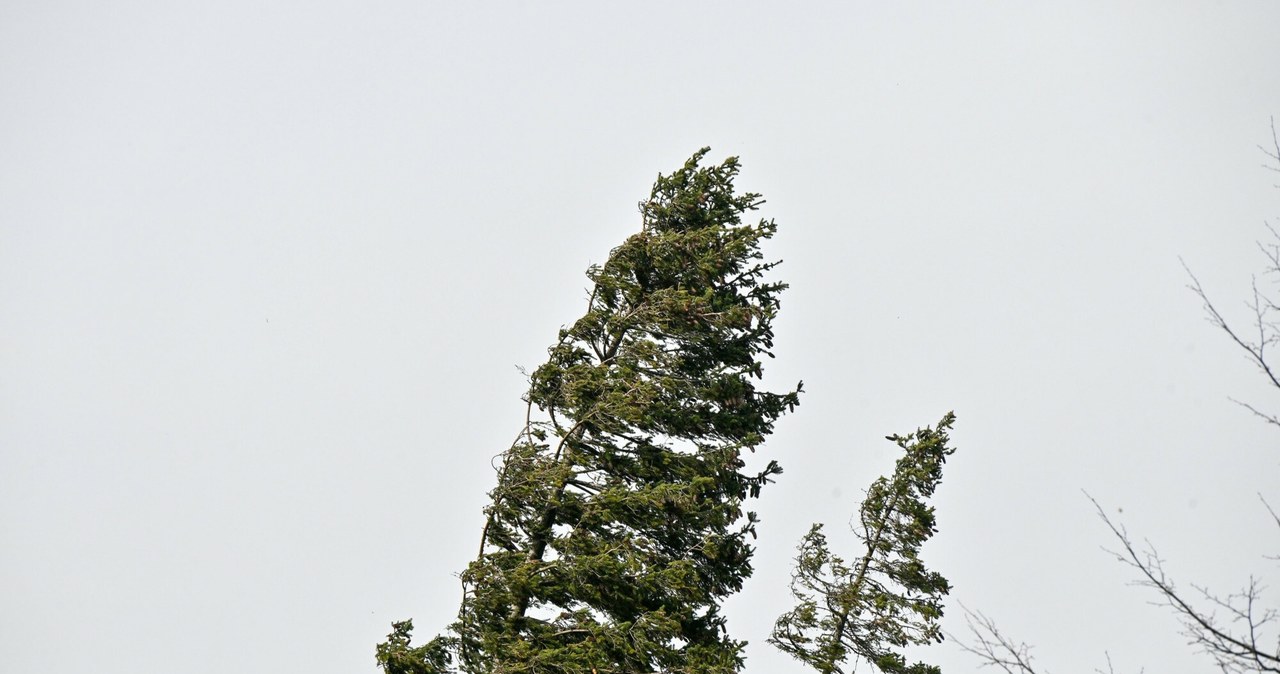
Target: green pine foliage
x,y
617,527
396,656
886,599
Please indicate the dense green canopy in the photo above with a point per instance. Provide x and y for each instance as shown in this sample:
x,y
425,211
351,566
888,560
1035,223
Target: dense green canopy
x,y
617,526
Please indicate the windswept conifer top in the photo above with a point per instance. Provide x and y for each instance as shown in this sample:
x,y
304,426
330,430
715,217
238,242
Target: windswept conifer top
x,y
617,526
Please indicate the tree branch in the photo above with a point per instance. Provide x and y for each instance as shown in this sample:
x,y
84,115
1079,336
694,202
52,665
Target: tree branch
x,y
992,647
1233,652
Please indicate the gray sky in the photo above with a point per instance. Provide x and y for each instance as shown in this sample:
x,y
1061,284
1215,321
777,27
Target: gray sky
x,y
267,271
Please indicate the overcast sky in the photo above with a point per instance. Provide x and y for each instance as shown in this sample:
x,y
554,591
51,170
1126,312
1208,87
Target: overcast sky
x,y
268,269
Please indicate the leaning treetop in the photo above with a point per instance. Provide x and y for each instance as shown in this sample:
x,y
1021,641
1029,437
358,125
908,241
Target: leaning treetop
x,y
617,528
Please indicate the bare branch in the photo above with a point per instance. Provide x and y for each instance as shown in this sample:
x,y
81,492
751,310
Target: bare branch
x,y
1269,418
1110,668
1273,154
1265,308
1256,351
1274,516
1233,651
992,647
1236,630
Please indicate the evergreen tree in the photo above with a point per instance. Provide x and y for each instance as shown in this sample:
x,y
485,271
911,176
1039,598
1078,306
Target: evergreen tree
x,y
886,599
617,526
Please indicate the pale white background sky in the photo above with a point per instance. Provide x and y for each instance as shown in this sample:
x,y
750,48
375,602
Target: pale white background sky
x,y
267,270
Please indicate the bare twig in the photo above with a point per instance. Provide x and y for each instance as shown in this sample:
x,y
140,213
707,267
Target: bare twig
x,y
1235,650
1111,668
1244,639
1267,334
1264,307
1274,516
992,647
1273,154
